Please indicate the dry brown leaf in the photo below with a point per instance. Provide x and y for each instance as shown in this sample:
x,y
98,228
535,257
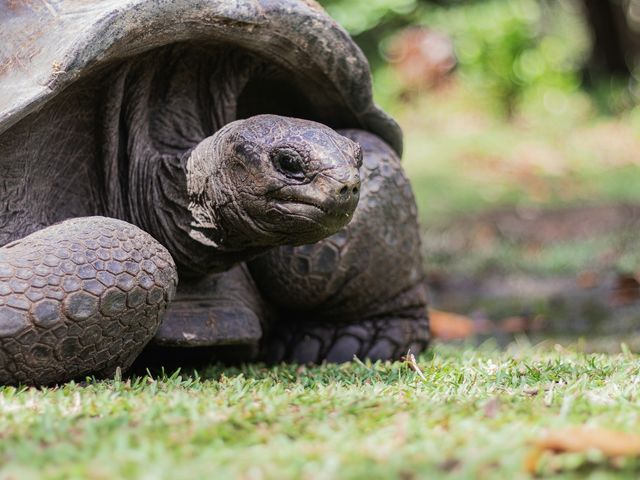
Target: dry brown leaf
x,y
492,407
610,443
626,290
413,365
450,326
587,279
450,465
532,391
514,325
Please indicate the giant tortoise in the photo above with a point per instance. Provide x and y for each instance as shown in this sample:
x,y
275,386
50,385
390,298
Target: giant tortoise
x,y
234,145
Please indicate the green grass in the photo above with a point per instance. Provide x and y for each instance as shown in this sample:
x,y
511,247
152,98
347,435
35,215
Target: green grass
x,y
473,416
559,258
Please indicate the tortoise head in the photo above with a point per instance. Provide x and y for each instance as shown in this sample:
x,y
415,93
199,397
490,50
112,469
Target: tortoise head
x,y
270,180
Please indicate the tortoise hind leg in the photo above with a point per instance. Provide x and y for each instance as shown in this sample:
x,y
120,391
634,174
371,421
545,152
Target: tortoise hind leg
x,y
219,309
361,291
216,318
80,297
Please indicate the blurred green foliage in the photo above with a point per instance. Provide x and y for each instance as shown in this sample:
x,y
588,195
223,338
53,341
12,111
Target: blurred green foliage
x,y
513,52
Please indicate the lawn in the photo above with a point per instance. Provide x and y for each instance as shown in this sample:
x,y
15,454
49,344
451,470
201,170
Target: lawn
x,y
473,413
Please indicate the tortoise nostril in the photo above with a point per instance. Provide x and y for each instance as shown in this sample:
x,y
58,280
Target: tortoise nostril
x,y
355,190
344,190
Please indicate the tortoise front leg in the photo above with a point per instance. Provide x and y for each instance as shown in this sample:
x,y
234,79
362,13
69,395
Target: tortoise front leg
x,y
361,291
387,338
80,297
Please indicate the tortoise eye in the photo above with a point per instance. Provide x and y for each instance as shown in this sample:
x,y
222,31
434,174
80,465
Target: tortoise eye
x,y
289,162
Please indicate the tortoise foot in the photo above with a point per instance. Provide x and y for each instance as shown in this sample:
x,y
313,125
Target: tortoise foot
x,y
80,297
374,339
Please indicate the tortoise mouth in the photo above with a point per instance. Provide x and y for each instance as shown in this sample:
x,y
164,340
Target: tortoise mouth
x,y
328,217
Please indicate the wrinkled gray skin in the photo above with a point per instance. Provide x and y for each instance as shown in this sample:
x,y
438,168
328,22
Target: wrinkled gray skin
x,y
154,195
263,182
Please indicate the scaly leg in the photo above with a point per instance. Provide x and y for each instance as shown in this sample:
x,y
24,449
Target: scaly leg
x,y
80,297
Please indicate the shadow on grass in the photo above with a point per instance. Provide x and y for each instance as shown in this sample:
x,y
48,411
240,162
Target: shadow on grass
x,y
218,364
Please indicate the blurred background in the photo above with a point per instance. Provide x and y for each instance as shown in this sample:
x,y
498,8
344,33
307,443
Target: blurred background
x,y
522,141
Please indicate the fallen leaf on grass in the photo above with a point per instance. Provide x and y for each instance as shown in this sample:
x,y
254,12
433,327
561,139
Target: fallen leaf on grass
x,y
450,465
413,365
626,290
491,408
587,279
610,443
514,325
531,391
449,326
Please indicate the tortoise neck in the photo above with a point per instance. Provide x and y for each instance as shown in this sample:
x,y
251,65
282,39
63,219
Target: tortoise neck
x,y
149,122
190,227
